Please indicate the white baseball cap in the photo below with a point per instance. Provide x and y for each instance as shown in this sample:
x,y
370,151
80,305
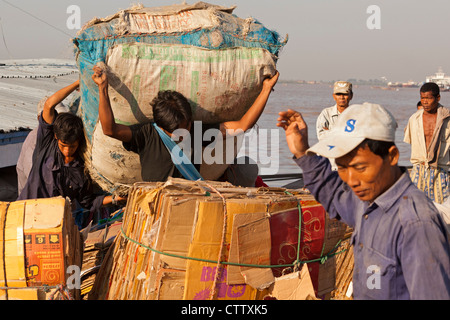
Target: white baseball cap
x,y
357,123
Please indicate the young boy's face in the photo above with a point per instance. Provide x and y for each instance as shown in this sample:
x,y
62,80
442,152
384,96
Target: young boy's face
x,y
68,149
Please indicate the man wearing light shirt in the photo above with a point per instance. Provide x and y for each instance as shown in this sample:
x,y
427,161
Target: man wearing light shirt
x,y
342,94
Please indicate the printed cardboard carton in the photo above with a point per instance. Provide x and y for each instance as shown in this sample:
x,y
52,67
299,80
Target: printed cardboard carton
x,y
40,242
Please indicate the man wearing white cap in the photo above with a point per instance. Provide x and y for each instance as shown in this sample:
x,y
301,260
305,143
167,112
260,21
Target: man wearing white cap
x,y
401,247
342,94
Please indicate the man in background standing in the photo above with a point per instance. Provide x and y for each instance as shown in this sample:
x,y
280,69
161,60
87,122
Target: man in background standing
x,y
342,94
428,132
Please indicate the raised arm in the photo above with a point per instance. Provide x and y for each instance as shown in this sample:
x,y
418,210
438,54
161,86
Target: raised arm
x,y
319,179
105,114
252,115
48,114
296,132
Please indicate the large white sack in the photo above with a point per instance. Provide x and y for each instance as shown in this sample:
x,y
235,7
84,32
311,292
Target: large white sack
x,y
214,58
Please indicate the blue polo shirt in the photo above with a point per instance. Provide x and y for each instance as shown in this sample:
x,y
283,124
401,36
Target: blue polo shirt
x,y
401,247
51,177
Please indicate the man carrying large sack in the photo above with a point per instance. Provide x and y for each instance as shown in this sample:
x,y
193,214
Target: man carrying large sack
x,y
171,111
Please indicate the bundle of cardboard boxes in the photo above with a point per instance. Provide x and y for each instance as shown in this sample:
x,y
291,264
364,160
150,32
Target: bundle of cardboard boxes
x,y
178,240
212,240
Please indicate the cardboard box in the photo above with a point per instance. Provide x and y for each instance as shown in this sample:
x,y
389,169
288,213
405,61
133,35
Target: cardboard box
x,y
41,241
293,286
197,228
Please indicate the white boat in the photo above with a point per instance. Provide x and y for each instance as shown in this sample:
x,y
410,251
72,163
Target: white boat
x,y
440,78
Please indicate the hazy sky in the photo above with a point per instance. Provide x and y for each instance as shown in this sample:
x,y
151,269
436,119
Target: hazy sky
x,y
328,39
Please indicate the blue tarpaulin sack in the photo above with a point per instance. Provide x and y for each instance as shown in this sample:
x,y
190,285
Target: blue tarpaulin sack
x,y
217,60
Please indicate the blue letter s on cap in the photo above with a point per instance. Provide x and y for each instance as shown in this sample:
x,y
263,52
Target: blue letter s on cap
x,y
350,125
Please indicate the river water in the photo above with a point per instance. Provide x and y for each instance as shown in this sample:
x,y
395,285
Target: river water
x,y
274,157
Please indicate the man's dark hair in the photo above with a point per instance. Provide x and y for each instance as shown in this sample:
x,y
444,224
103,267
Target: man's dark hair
x,y
380,148
170,109
430,86
69,128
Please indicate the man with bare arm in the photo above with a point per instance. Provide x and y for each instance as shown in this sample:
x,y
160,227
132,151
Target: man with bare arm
x,y
428,132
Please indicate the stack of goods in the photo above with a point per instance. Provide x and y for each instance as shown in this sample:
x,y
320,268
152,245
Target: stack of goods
x,y
344,267
96,245
217,60
40,250
211,240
